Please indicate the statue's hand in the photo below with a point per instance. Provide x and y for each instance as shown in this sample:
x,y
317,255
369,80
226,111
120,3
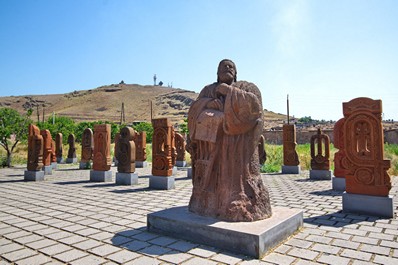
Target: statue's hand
x,y
223,89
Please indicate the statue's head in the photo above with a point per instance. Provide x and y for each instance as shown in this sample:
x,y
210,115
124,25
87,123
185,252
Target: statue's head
x,y
226,72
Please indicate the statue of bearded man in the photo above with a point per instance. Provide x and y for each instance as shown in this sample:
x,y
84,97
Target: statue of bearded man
x,y
225,124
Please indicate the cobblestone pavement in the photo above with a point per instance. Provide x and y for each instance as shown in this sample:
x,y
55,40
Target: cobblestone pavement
x,y
67,219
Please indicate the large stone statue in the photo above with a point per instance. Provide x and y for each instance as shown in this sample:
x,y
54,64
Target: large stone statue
x,y
35,149
102,147
87,148
125,151
58,147
72,149
225,125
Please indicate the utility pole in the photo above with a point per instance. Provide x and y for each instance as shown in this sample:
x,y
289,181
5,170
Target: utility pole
x,y
154,79
53,117
38,114
151,110
43,113
122,115
288,120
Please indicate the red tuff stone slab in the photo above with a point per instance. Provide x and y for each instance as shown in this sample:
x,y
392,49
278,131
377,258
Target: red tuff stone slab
x,y
53,157
180,146
140,146
58,145
35,149
162,147
87,145
102,147
320,152
47,142
340,160
125,152
364,146
72,147
290,157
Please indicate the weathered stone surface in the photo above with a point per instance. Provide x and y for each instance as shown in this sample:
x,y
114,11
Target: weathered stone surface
x,y
364,146
116,141
320,151
102,147
47,141
58,147
125,152
140,146
180,146
290,157
87,145
225,125
262,154
162,164
72,147
35,149
53,156
340,160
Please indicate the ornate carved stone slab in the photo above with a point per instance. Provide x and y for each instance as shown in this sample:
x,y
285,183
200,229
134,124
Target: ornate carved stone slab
x,y
162,161
364,146
320,151
180,146
72,146
47,141
140,146
102,147
340,160
35,149
58,147
290,157
125,152
87,145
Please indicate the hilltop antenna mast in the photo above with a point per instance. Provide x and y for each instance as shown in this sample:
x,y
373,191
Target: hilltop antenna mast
x,y
122,115
154,79
288,120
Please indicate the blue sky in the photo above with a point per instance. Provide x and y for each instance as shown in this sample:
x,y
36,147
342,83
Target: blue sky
x,y
321,53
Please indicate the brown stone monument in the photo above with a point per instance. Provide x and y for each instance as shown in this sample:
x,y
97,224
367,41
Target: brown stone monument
x,y
102,154
125,155
290,157
72,150
58,148
340,160
53,156
87,149
35,155
47,141
162,149
225,124
262,155
180,149
140,149
117,137
320,153
367,181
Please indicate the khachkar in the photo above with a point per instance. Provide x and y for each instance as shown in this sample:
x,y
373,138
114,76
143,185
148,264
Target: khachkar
x,y
53,156
225,124
58,148
116,141
87,149
72,150
262,154
367,181
125,155
291,163
340,160
47,141
140,150
320,153
35,155
102,154
162,160
180,149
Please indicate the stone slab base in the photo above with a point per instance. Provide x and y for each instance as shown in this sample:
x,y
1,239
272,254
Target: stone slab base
x,y
48,170
320,174
189,172
34,175
54,165
174,172
100,176
85,165
126,178
338,184
181,163
249,238
71,160
141,164
291,169
369,205
161,182
60,160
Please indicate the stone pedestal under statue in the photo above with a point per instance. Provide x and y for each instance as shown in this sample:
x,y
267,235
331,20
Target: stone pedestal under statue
x,y
33,175
60,160
291,169
71,160
48,170
320,174
126,178
141,164
100,176
161,182
85,165
369,205
54,165
189,172
338,184
182,163
249,238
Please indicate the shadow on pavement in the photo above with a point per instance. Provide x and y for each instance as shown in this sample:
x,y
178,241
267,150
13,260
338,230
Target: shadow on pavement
x,y
327,193
72,182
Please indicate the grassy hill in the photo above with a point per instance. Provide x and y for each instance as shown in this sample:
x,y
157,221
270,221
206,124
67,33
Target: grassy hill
x,y
105,103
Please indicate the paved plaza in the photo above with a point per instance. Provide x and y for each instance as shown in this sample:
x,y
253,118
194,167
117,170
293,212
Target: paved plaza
x,y
69,220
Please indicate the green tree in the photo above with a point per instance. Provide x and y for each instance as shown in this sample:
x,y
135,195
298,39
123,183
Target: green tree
x,y
64,125
147,127
13,129
184,126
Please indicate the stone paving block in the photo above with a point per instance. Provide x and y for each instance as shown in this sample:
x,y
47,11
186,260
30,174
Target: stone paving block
x,y
329,259
319,239
203,251
298,243
391,244
87,244
325,248
145,236
175,257
70,255
375,249
19,254
123,256
101,236
183,246
28,239
197,261
9,248
4,241
282,249
349,253
89,260
228,258
41,243
366,240
104,250
155,251
305,262
381,236
385,260
59,235
144,261
55,249
303,253
345,244
72,239
279,259
35,260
